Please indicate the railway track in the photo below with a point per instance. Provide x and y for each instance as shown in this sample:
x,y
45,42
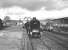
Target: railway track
x,y
31,43
40,40
59,39
43,42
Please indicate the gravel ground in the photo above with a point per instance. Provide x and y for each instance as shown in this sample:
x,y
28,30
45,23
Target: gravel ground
x,y
11,38
15,38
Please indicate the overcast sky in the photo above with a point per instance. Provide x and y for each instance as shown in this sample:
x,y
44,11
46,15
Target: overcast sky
x,y
40,8
35,4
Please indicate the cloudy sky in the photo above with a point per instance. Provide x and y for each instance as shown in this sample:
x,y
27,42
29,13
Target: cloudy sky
x,y
35,4
39,8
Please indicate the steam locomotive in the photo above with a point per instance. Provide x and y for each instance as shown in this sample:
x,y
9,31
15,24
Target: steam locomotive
x,y
34,30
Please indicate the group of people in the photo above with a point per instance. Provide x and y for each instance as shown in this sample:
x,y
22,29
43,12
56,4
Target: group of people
x,y
32,24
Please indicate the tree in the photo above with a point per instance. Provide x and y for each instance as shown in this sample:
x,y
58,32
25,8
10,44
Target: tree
x,y
7,18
